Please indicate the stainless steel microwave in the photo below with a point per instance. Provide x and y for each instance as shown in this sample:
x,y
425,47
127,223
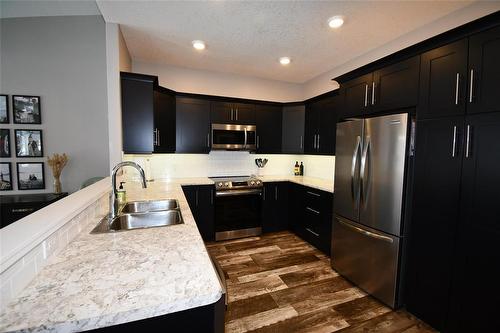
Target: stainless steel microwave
x,y
234,137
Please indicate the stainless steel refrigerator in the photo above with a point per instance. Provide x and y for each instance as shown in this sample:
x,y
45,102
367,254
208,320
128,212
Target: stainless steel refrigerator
x,y
367,233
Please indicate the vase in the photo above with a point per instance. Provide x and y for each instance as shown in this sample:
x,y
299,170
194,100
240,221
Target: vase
x,y
57,185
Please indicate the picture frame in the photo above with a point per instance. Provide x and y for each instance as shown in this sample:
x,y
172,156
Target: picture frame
x,y
29,143
30,176
4,109
4,142
26,109
5,177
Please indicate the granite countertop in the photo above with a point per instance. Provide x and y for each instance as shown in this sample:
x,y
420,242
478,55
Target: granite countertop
x,y
100,280
317,183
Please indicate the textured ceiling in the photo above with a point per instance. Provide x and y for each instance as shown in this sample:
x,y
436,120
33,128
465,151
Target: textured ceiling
x,y
248,37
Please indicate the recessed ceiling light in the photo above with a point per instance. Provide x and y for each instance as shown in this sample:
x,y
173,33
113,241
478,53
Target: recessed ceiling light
x,y
198,44
285,60
336,21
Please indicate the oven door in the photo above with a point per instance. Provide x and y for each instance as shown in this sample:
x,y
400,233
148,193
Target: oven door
x,y
237,214
233,137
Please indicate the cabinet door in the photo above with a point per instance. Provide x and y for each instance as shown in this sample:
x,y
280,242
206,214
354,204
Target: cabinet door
x,y
484,72
205,212
221,112
244,113
311,128
193,125
295,209
268,129
475,286
190,194
327,126
137,116
164,114
434,220
293,129
443,76
356,96
396,86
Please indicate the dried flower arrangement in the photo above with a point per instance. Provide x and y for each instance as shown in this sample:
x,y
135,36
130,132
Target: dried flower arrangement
x,y
57,163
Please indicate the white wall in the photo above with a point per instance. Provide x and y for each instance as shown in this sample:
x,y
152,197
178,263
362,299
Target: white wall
x,y
224,163
63,60
125,59
220,84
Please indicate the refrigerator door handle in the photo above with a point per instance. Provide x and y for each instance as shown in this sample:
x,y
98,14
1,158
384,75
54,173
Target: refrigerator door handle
x,y
355,154
366,232
362,173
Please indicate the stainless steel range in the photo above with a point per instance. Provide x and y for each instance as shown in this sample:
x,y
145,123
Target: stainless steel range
x,y
237,207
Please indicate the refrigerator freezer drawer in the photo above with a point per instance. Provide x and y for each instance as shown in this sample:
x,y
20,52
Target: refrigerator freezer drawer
x,y
366,257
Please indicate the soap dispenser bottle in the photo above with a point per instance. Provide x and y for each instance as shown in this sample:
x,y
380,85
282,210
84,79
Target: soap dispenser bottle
x,y
301,169
121,195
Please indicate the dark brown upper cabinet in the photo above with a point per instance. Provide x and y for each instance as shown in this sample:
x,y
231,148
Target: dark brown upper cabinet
x,y
193,125
148,115
395,86
269,124
443,81
484,72
232,113
293,129
390,88
320,126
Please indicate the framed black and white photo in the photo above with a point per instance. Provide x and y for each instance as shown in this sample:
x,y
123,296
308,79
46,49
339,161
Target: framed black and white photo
x,y
29,143
4,143
4,109
30,176
27,109
5,177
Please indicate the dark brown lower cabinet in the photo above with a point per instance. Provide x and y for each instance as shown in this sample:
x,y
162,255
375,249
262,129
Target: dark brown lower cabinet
x,y
453,267
275,206
201,202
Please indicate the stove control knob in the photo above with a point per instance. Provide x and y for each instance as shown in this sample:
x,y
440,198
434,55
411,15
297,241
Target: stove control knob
x,y
226,184
252,183
258,182
220,184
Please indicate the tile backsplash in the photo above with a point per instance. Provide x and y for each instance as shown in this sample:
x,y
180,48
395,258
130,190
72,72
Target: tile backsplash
x,y
227,163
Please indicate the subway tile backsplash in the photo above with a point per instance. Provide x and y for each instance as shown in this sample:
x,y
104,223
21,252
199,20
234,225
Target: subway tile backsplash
x,y
19,275
226,163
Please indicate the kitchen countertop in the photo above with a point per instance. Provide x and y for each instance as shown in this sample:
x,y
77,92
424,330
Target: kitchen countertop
x,y
100,280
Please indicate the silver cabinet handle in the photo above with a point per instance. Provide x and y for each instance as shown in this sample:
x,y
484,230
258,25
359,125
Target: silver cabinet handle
x,y
246,139
314,141
467,144
312,232
471,85
366,232
312,193
258,141
313,210
155,138
373,93
159,137
211,196
353,167
236,114
457,83
276,193
454,144
301,142
318,143
366,95
208,140
22,210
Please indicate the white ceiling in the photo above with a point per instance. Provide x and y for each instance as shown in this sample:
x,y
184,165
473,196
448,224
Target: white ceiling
x,y
248,37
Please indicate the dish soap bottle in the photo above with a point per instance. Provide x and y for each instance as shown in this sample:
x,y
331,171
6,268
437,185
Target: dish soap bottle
x,y
301,169
121,195
296,170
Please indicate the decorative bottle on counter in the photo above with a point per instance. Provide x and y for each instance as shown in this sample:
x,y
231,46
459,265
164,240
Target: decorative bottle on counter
x,y
301,169
296,170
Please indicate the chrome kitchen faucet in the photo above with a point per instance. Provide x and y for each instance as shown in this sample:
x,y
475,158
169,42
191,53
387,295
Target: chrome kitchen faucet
x,y
113,203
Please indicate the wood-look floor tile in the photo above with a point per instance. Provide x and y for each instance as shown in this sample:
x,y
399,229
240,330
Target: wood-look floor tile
x,y
237,291
280,271
272,261
361,309
391,322
308,275
260,319
326,320
249,306
303,292
327,299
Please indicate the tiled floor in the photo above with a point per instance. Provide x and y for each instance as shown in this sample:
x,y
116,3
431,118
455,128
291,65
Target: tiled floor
x,y
279,283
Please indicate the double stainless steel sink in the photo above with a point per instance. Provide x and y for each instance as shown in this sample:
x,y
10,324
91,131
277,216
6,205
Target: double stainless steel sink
x,y
141,215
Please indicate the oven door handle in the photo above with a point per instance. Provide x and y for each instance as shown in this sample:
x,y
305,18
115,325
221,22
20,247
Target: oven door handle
x,y
237,192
